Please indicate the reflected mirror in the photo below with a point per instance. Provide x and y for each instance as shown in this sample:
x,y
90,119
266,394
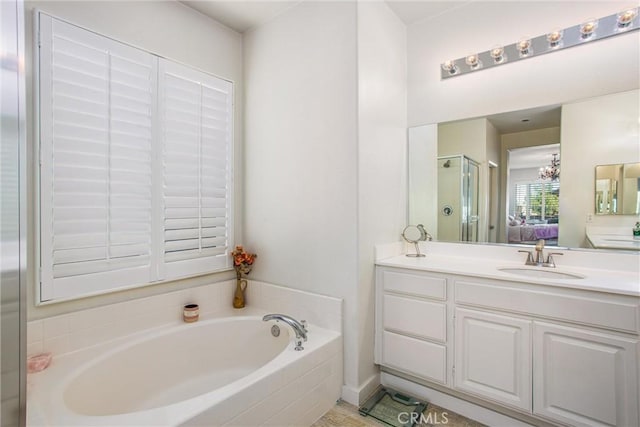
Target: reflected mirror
x,y
617,187
524,175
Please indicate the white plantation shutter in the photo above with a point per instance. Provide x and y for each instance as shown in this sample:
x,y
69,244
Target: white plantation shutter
x,y
526,192
135,165
196,132
96,98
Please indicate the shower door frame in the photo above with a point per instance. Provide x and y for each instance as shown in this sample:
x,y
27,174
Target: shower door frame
x,y
13,267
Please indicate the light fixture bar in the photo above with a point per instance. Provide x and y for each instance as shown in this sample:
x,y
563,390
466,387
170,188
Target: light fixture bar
x,y
590,30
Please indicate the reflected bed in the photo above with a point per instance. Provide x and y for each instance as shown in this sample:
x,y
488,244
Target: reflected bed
x,y
531,232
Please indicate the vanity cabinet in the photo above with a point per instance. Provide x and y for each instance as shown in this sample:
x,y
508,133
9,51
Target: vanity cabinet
x,y
550,353
493,357
584,378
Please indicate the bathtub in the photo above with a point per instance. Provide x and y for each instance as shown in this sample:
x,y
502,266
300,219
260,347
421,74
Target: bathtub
x,y
218,371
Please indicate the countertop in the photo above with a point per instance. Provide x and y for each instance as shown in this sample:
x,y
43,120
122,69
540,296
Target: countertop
x,y
594,279
603,237
613,241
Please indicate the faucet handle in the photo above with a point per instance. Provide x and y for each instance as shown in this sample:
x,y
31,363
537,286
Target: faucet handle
x,y
529,256
304,325
550,262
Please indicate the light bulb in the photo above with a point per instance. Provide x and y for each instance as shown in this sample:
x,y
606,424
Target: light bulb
x,y
473,61
587,28
524,47
497,53
626,17
554,38
450,67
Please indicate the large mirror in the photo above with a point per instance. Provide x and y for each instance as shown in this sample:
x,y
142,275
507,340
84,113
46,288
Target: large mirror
x,y
528,174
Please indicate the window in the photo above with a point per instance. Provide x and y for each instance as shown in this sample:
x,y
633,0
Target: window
x,y
135,166
537,201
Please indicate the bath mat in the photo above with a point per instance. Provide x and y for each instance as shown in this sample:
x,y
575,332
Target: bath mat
x,y
393,408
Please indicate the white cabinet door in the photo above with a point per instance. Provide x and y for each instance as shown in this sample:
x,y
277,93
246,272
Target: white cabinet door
x,y
585,378
493,357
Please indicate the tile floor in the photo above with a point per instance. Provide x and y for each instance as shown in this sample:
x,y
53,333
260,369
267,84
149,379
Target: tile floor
x,y
346,415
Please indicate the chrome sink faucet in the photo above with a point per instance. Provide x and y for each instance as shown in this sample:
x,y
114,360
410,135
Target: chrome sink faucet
x,y
299,328
539,259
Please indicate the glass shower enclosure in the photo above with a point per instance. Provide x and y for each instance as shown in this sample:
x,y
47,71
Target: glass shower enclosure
x,y
458,200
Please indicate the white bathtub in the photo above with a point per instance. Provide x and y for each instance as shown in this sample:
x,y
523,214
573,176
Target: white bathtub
x,y
221,371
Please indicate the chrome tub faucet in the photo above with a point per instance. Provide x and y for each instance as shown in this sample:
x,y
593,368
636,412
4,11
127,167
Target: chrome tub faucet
x,y
299,328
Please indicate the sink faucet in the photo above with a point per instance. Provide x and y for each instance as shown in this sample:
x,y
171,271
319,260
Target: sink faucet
x,y
539,260
298,327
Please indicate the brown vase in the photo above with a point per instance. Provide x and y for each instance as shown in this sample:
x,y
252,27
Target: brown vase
x,y
238,297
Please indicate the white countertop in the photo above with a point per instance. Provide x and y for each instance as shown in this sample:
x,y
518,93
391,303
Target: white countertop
x,y
595,279
607,237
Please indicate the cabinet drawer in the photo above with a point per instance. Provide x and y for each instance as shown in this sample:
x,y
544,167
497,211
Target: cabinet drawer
x,y
419,318
420,358
616,312
415,284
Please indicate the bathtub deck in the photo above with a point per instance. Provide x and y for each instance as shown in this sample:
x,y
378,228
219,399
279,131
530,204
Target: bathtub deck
x,y
347,415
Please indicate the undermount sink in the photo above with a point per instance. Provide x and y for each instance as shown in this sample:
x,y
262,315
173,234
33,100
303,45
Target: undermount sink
x,y
540,273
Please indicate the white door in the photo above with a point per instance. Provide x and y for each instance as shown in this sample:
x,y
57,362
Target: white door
x,y
493,357
585,378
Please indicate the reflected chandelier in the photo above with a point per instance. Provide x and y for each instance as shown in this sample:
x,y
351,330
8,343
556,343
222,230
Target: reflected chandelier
x,y
551,172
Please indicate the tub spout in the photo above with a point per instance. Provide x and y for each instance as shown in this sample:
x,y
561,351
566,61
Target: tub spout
x,y
298,327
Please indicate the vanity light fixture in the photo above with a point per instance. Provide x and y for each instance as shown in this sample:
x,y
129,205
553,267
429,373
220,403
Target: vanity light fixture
x,y
558,39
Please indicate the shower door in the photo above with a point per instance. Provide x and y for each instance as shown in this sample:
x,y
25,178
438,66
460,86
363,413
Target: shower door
x,y
458,200
12,215
470,187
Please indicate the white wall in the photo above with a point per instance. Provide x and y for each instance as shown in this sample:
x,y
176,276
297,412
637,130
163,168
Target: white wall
x,y
325,157
423,177
599,131
166,28
492,180
382,170
572,74
301,155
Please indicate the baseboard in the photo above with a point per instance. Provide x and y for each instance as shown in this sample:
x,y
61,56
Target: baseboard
x,y
357,396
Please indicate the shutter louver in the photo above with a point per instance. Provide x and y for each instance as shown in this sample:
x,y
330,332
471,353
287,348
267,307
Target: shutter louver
x,y
196,118
96,130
